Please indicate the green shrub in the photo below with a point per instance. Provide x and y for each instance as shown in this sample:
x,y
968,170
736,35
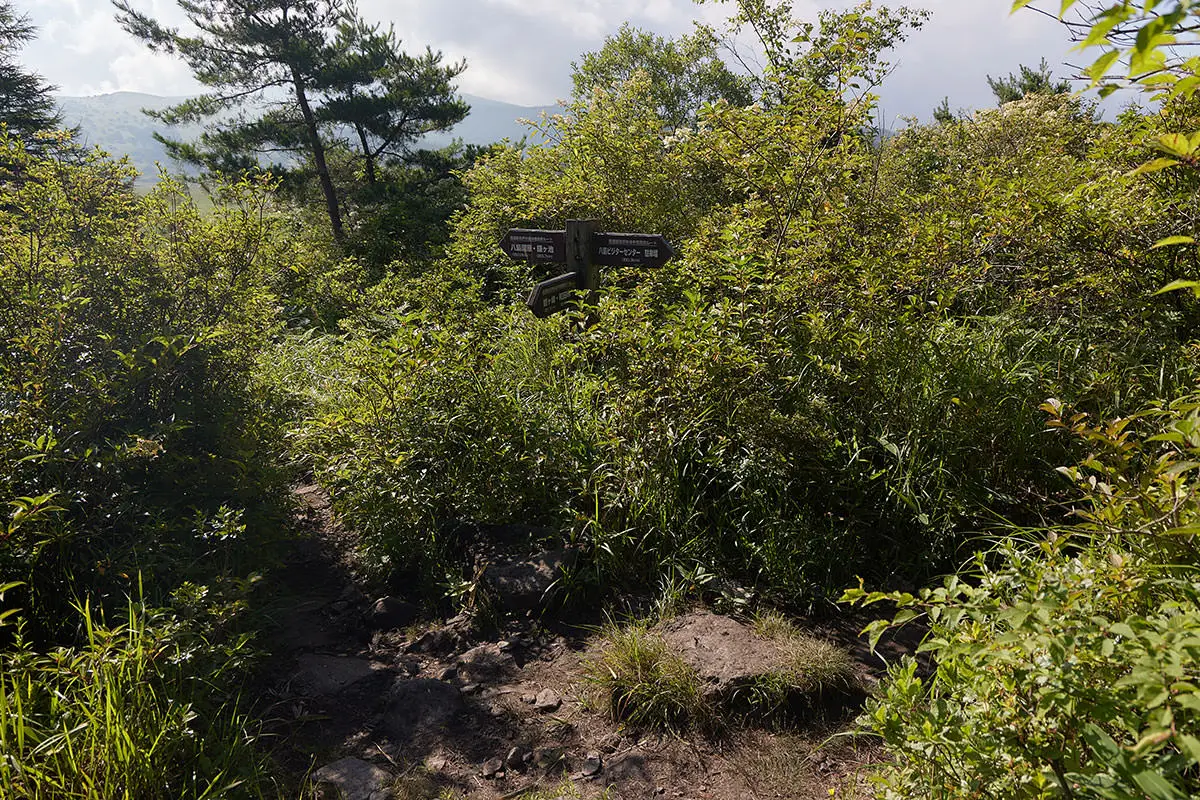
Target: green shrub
x,y
1066,667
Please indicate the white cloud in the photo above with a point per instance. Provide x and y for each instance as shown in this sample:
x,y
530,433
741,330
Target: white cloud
x,y
521,50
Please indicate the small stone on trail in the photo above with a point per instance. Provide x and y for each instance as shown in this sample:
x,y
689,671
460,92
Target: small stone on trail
x,y
492,768
516,758
390,613
592,765
485,662
549,758
547,700
355,779
529,699
446,639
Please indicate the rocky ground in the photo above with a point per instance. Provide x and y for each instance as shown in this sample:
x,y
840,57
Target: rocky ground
x,y
373,702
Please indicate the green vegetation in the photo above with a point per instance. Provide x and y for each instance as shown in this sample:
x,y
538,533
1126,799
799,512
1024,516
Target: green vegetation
x,y
645,684
810,663
26,105
967,350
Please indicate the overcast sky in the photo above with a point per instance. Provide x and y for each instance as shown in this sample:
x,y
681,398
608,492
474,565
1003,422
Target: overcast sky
x,y
520,51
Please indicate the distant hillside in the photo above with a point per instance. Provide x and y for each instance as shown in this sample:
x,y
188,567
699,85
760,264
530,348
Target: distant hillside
x,y
115,123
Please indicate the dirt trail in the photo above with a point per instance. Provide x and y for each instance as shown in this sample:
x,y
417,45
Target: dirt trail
x,y
368,704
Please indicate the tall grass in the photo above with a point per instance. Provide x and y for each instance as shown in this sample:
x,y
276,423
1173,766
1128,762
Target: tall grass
x,y
122,717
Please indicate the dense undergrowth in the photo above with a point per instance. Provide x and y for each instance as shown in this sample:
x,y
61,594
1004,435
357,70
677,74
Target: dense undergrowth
x,y
135,461
843,374
856,394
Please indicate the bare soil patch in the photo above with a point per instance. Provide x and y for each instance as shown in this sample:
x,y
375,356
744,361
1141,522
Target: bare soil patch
x,y
365,709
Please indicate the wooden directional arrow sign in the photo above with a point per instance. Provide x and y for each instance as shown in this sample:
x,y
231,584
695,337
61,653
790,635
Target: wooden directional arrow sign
x,y
631,249
552,295
541,247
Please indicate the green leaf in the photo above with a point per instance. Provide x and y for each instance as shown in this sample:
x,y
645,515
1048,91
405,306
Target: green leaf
x,y
1154,166
1181,284
1156,786
1190,746
1173,240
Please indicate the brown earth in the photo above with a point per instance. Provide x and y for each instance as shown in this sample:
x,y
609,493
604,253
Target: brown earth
x,y
442,710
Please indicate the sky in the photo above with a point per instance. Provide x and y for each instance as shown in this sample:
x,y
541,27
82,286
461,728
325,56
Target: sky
x,y
520,51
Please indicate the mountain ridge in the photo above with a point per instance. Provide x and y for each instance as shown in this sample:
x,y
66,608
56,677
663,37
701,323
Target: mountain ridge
x,y
115,123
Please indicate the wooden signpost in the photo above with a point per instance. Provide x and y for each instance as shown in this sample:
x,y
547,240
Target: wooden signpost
x,y
583,250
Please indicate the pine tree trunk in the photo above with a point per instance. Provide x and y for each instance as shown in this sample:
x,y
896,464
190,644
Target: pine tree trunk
x,y
318,154
368,157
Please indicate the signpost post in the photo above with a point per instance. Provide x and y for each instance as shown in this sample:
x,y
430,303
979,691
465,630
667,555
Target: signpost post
x,y
583,250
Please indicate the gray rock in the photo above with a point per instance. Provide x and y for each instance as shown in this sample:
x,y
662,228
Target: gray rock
x,y
524,585
486,663
516,758
492,768
390,613
454,635
592,765
547,700
550,758
417,706
323,676
726,654
355,779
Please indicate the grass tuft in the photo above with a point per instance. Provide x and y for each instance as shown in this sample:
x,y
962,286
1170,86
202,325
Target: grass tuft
x,y
810,667
645,684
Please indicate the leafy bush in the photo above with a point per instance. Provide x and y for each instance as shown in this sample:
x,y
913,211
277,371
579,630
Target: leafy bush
x,y
1066,666
838,374
130,416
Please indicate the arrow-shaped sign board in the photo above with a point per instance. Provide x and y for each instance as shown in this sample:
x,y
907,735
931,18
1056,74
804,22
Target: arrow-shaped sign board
x,y
540,247
553,295
631,249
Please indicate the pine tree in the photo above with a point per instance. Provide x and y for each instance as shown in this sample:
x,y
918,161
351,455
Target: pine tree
x,y
26,103
285,75
1030,81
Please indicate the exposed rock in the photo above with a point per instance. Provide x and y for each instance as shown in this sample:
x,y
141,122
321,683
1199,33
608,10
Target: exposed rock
x,y
517,758
523,585
547,700
592,765
391,613
329,675
470,688
492,768
454,635
725,653
447,674
419,705
356,779
486,663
